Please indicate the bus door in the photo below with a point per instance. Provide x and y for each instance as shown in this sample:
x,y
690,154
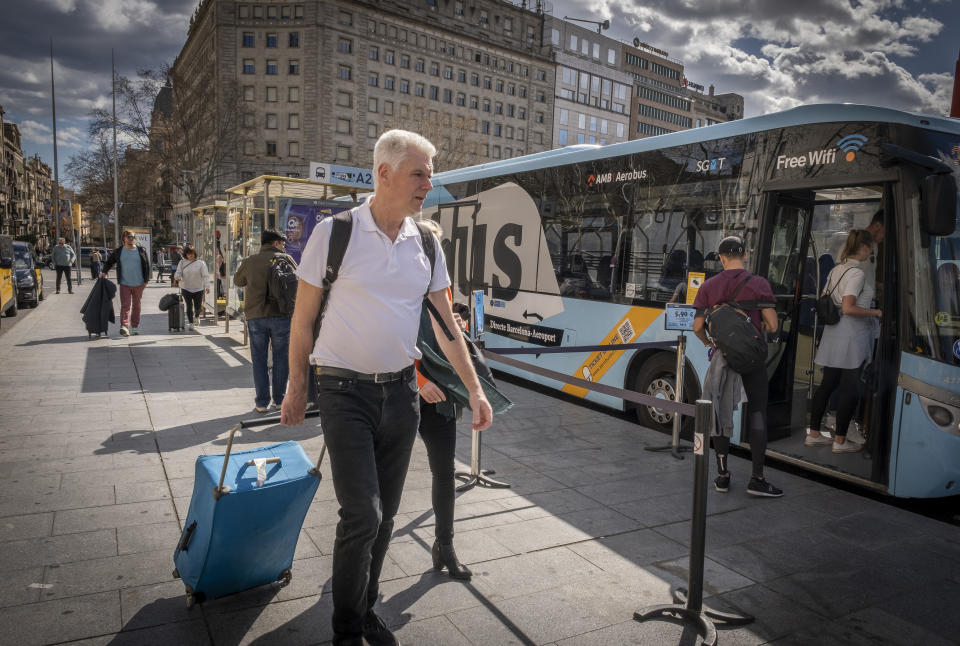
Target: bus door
x,y
802,236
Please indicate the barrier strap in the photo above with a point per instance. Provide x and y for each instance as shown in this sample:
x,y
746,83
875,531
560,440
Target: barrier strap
x,y
689,410
585,348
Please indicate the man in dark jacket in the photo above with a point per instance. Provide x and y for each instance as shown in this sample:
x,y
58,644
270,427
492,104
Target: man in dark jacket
x,y
267,324
98,309
133,272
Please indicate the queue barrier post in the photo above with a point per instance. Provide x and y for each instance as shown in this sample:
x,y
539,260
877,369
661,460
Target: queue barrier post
x,y
688,602
675,447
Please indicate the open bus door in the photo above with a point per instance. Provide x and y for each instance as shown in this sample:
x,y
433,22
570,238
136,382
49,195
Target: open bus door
x,y
801,237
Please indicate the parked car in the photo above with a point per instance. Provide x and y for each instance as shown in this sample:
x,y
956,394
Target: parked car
x,y
8,291
28,277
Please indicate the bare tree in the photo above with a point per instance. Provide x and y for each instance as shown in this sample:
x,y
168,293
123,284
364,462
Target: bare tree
x,y
454,136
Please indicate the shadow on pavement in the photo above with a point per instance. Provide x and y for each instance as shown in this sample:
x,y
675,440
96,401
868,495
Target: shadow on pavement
x,y
60,339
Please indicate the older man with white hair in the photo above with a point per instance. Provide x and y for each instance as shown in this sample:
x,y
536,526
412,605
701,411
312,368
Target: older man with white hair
x,y
363,359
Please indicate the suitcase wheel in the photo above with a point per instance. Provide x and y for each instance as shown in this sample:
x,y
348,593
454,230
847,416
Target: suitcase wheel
x,y
176,573
285,577
193,598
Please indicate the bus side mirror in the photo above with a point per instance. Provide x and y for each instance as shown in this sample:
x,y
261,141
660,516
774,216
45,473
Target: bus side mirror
x,y
939,195
6,262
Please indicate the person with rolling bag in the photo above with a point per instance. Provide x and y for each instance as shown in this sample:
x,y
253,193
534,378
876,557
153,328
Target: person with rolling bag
x,y
245,517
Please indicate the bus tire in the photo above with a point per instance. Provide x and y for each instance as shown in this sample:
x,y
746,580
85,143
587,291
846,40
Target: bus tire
x,y
657,377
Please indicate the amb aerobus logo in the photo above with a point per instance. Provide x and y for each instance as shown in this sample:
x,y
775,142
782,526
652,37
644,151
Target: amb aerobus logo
x,y
849,146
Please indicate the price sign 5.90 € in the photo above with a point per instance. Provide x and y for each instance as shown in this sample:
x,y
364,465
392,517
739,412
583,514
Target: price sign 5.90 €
x,y
679,317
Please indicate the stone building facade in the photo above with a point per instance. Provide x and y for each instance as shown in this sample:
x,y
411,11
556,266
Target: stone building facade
x,y
26,188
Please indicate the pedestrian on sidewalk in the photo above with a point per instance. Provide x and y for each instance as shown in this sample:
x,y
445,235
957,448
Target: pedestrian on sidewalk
x,y
175,257
363,359
96,262
161,264
736,282
268,326
63,257
133,272
192,276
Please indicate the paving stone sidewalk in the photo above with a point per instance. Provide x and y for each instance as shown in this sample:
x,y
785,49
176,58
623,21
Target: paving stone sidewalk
x,y
98,440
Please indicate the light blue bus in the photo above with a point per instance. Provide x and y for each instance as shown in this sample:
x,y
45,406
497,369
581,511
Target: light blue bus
x,y
585,245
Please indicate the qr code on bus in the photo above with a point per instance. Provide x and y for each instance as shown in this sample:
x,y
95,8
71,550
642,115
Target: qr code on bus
x,y
626,331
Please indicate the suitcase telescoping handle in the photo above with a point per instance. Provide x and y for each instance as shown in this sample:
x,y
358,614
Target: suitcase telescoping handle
x,y
220,490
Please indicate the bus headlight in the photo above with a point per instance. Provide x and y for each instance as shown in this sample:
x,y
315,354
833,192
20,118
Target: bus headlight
x,y
944,416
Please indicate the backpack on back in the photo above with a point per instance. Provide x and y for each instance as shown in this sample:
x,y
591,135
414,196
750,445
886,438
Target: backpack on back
x,y
282,286
744,348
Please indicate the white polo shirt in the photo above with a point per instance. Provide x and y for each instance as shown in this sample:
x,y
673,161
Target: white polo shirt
x,y
373,314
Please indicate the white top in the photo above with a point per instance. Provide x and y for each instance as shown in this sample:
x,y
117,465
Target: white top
x,y
192,275
373,313
850,283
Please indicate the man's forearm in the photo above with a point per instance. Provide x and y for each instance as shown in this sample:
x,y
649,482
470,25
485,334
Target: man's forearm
x,y
301,342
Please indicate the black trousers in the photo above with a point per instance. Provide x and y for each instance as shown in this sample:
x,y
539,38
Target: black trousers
x,y
846,384
61,271
756,386
369,431
439,434
193,302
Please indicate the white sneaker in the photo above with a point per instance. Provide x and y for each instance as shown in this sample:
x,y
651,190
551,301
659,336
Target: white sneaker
x,y
830,422
847,447
821,440
189,326
854,435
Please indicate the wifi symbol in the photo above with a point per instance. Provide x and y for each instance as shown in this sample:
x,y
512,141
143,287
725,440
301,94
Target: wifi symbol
x,y
851,144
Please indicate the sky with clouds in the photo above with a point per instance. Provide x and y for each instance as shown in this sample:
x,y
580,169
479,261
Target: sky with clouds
x,y
776,53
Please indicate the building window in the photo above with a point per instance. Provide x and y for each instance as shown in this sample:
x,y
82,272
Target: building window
x,y
521,113
581,121
371,27
511,89
484,20
345,46
474,101
499,85
448,96
243,11
603,126
419,90
388,57
484,127
461,99
474,79
507,24
497,130
498,108
271,40
271,94
487,83
509,132
344,73
434,92
272,13
248,40
448,73
555,37
249,120
486,105
564,116
285,12
293,149
248,148
496,152
271,122
293,121
611,57
388,82
574,43
404,86
420,65
522,92
593,124
344,99
562,138
249,93
249,67
434,69
293,94
510,110
541,75
591,139
343,126
373,105
404,61
271,66
520,134
293,39
388,107
461,76
373,80
345,18
293,66
541,97
343,153
271,149
539,117
258,11
458,8
620,130
374,53
298,11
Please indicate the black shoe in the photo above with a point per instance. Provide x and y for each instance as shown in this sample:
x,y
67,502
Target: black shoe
x,y
760,487
376,632
722,483
445,557
70,292
58,291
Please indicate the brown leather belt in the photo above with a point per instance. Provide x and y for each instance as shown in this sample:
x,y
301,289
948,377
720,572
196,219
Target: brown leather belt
x,y
377,377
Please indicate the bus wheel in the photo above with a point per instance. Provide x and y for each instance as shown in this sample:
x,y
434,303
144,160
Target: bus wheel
x,y
656,378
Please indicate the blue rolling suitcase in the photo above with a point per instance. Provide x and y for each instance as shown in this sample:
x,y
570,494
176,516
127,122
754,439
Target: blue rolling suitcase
x,y
245,518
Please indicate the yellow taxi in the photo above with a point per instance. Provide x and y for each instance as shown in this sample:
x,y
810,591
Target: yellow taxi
x,y
8,290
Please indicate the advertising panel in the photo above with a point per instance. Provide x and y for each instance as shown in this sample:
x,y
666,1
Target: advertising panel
x,y
299,220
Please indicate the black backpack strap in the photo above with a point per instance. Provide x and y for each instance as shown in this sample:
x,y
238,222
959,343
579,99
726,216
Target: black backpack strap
x,y
840,280
733,297
337,248
430,249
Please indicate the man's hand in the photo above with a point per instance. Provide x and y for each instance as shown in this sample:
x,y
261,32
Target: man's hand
x,y
293,408
431,393
102,275
482,412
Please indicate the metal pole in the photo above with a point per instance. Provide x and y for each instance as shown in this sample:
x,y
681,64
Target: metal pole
x,y
678,397
698,525
56,167
116,193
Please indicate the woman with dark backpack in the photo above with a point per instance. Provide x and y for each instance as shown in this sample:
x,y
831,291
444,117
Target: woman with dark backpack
x,y
846,344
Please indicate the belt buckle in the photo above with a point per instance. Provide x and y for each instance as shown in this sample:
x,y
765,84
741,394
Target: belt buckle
x,y
381,377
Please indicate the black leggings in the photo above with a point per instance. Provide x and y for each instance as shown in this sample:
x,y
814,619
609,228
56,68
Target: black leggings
x,y
439,433
756,386
64,270
846,383
193,301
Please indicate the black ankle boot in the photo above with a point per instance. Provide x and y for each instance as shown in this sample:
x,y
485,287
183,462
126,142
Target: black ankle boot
x,y
444,556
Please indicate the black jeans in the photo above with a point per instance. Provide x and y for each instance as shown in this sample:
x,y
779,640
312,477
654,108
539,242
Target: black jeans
x,y
756,386
64,270
846,384
369,431
439,434
193,302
